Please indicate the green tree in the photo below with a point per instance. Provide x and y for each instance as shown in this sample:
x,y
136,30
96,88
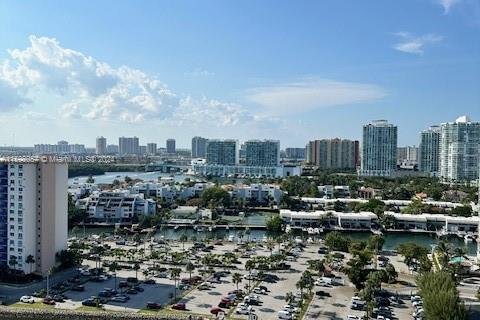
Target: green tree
x,y
236,279
440,297
190,267
30,261
274,224
337,241
215,197
174,275
390,273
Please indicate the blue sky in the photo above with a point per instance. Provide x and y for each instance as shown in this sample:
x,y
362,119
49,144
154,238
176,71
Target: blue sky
x,y
290,70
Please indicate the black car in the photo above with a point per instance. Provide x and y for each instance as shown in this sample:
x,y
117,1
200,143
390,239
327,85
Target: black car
x,y
138,288
78,288
149,281
131,291
154,305
123,284
89,303
322,293
322,250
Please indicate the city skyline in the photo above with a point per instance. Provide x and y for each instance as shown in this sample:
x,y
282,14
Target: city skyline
x,y
243,81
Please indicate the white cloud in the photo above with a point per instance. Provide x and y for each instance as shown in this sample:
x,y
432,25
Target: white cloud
x,y
448,4
415,44
93,89
313,94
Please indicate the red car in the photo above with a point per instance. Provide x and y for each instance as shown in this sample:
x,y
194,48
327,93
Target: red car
x,y
49,301
216,311
179,306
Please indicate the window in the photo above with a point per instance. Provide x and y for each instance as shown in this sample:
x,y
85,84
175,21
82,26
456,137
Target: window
x,y
12,219
12,242
20,228
20,236
20,189
20,250
20,220
12,227
12,249
20,243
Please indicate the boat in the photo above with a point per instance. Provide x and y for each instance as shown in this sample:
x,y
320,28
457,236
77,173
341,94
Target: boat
x,y
231,238
227,228
175,228
468,237
199,229
210,229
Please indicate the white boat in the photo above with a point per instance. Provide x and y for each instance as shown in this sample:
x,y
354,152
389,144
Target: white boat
x,y
231,238
468,237
210,229
199,229
175,228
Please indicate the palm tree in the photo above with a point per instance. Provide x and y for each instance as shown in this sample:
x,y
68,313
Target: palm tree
x,y
113,267
289,298
183,239
13,262
174,275
444,250
190,267
249,266
30,260
236,278
270,246
136,267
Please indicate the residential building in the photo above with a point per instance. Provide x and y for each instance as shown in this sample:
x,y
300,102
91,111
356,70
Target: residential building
x,y
264,153
245,171
379,149
119,206
408,154
101,146
33,214
199,147
459,150
295,153
258,193
128,146
151,149
62,147
222,152
112,149
333,153
429,151
171,146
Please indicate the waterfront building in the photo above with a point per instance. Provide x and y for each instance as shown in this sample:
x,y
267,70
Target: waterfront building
x,y
33,214
264,153
62,147
245,171
330,219
119,206
333,153
459,150
258,193
222,152
101,146
128,146
407,155
199,147
429,151
171,146
151,149
379,149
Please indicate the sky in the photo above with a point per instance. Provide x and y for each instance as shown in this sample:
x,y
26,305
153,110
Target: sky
x,y
292,70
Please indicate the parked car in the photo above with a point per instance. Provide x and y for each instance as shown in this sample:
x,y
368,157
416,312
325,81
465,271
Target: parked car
x,y
322,293
49,301
154,305
27,299
149,281
119,298
179,306
78,288
90,302
216,311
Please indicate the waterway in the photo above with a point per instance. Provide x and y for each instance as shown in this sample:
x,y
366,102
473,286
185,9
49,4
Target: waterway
x,y
108,177
392,239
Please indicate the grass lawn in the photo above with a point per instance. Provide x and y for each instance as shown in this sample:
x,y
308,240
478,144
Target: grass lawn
x,y
36,305
89,309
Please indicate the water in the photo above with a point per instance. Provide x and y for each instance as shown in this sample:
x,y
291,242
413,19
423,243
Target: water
x,y
392,240
108,177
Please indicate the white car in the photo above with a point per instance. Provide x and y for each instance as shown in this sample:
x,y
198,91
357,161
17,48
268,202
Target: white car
x,y
27,299
415,298
259,291
417,303
290,308
243,309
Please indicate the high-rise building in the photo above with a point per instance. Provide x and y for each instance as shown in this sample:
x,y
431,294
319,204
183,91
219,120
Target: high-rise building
x,y
101,146
63,147
171,146
151,148
199,147
379,149
112,149
408,154
264,153
33,214
222,152
295,153
459,150
333,153
429,151
128,145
